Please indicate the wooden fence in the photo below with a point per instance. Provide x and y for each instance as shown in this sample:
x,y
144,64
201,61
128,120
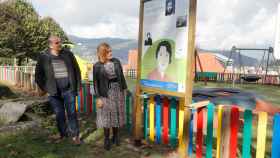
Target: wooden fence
x,y
214,130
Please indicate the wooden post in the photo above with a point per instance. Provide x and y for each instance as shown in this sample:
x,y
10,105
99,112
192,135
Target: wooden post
x,y
137,103
183,146
195,67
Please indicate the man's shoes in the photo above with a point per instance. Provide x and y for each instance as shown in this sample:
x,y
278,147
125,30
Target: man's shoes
x,y
77,140
57,138
107,144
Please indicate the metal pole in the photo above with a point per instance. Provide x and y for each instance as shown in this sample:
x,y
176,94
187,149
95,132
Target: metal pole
x,y
267,62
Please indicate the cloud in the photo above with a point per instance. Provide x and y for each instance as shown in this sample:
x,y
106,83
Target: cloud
x,y
88,18
118,26
220,23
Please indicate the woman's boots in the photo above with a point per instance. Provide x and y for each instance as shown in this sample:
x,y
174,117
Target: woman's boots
x,y
107,143
116,136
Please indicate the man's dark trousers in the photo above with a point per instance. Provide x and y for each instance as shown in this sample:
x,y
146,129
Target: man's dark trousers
x,y
65,101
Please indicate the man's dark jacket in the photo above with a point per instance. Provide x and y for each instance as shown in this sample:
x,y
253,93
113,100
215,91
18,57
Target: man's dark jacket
x,y
44,73
101,81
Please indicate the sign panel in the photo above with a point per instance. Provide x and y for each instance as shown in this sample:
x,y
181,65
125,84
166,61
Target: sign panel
x,y
165,44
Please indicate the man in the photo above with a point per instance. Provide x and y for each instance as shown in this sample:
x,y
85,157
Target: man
x,y
149,40
57,73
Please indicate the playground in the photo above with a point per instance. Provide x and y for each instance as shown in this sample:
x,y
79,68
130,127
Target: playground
x,y
180,102
40,144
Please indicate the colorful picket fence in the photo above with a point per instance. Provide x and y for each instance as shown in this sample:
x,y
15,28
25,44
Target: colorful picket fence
x,y
86,103
214,130
20,76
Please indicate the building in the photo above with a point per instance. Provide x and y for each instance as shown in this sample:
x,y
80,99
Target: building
x,y
130,68
212,62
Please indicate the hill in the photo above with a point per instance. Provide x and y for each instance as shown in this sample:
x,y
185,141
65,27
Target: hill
x,y
86,47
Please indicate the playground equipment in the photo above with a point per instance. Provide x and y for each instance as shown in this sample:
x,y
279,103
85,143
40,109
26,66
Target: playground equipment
x,y
232,76
229,77
251,77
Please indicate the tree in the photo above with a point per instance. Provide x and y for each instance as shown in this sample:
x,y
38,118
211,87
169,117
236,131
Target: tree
x,y
22,33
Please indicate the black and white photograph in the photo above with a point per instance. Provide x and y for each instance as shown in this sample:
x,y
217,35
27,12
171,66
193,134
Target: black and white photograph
x,y
181,21
148,40
169,7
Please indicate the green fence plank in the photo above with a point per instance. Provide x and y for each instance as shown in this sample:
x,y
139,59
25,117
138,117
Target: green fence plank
x,y
146,118
247,134
173,123
209,137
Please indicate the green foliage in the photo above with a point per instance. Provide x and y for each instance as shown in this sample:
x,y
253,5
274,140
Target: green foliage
x,y
22,32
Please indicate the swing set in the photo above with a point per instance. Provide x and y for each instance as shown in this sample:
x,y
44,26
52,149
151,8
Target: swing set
x,y
265,61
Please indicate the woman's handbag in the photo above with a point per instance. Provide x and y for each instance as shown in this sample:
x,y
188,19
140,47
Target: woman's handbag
x,y
99,103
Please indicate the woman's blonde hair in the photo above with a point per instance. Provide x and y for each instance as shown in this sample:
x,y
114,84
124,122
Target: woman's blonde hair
x,y
103,50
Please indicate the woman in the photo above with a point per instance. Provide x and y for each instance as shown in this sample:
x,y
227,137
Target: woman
x,y
109,86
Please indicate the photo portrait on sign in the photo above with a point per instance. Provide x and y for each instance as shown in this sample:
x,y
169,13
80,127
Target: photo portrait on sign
x,y
169,7
163,57
148,40
181,21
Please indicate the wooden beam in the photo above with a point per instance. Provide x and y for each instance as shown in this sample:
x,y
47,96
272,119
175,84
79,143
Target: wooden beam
x,y
183,146
137,102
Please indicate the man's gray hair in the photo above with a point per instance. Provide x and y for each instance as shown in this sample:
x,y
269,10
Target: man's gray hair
x,y
52,37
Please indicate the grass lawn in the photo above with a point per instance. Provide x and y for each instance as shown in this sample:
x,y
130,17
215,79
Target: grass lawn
x,y
36,143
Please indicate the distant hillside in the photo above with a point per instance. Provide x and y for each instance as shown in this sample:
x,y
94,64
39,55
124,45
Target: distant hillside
x,y
245,60
86,47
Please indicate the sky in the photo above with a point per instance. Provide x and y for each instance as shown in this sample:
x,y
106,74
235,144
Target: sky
x,y
220,23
